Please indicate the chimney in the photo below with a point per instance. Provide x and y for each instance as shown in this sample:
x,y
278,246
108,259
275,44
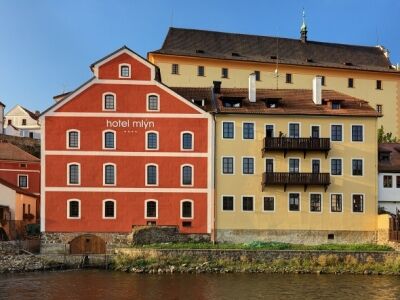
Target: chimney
x,y
317,90
252,87
217,87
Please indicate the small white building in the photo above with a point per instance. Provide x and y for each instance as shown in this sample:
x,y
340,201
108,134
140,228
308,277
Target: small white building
x,y
22,122
389,177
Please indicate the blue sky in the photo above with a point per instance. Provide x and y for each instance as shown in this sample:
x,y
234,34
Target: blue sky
x,y
46,46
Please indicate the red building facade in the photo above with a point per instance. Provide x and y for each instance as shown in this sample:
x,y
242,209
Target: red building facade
x,y
124,150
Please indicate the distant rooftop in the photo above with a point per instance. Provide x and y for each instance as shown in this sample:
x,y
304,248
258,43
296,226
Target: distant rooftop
x,y
392,164
9,151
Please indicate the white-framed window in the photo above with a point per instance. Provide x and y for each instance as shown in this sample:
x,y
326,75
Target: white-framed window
x,y
336,166
109,209
228,130
151,174
152,140
268,204
294,165
248,165
187,141
387,181
73,139
187,175
109,174
23,181
73,173
357,133
294,201
73,209
109,140
315,202
187,209
336,132
294,130
153,102
248,131
124,71
247,203
228,202
357,167
357,205
109,101
336,202
228,165
151,209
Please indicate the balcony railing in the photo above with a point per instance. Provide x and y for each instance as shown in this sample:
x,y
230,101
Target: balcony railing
x,y
306,179
286,144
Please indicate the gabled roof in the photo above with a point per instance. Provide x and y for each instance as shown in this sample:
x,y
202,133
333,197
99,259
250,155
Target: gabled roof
x,y
9,151
2,104
245,47
17,189
33,115
392,165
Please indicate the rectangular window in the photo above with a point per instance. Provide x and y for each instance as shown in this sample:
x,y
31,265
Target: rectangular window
x,y
315,132
227,165
336,105
248,131
358,203
109,140
269,203
151,175
294,165
397,181
228,129
23,121
175,69
387,181
224,73
247,203
357,133
152,140
269,165
336,166
258,76
378,84
200,71
294,202
350,83
323,80
357,166
315,202
248,165
294,130
288,78
109,174
336,133
379,108
23,181
269,131
227,203
336,203
73,174
152,102
73,139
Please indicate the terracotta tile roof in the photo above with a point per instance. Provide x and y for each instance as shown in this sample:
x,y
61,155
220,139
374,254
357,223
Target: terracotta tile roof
x,y
291,102
9,151
17,189
245,47
392,165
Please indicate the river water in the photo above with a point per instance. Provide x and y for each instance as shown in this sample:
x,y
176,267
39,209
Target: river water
x,y
96,284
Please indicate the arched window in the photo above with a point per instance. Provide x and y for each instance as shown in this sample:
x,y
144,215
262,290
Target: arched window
x,y
109,140
109,209
151,209
109,174
153,102
151,175
73,209
187,209
109,101
124,71
73,141
152,140
74,172
187,175
187,141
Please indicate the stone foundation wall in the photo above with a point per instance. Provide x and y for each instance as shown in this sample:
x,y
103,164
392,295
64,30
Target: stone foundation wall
x,y
307,237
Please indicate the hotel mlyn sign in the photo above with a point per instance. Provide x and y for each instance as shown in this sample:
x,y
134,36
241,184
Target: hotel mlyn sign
x,y
123,150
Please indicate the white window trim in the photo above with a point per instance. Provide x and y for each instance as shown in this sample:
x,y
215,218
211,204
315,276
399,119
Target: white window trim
x,y
79,209
104,139
27,181
288,199
288,162
262,204
147,139
254,131
145,209
273,162
222,130
79,173
330,166
222,165
319,130
356,212
104,101
322,202
192,212
383,181
222,203
145,178
288,128
330,203
119,71
67,138
182,133
265,129
330,132
351,167
320,164
104,209
254,165
181,183
351,134
104,174
158,102
254,203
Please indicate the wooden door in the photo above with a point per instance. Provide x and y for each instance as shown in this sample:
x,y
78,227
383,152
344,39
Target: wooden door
x,y
87,244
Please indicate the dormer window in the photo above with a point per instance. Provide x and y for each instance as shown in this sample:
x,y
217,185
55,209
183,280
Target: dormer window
x,y
272,102
199,102
336,105
124,71
384,156
234,102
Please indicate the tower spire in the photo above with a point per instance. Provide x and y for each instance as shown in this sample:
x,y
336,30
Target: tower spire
x,y
303,29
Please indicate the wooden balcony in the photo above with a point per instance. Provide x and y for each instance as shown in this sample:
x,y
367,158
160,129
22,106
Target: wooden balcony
x,y
306,179
286,144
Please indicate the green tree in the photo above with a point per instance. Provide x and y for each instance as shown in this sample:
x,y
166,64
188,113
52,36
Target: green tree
x,y
386,137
